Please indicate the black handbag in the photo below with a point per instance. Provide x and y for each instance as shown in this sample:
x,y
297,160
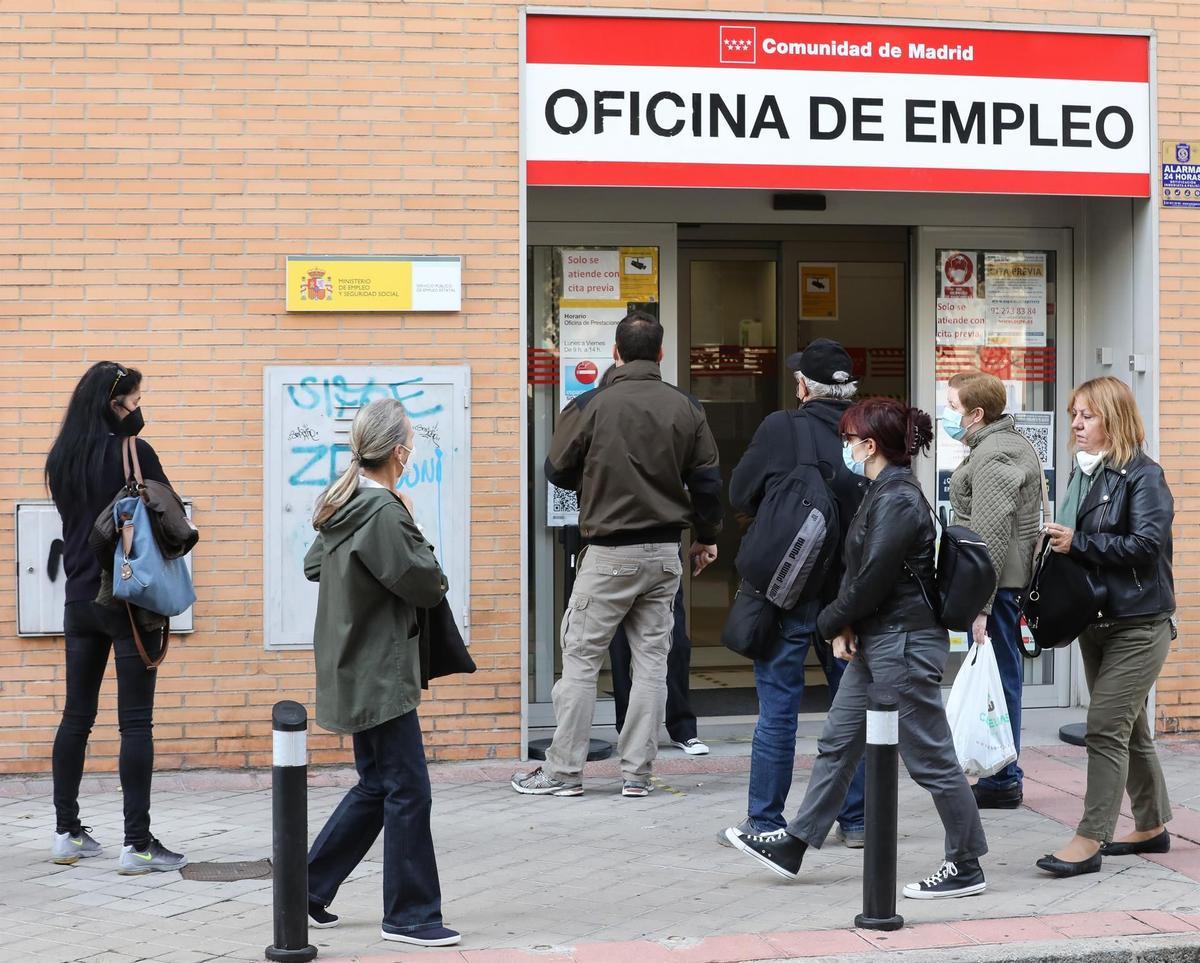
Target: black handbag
x,y
442,649
751,624
1062,599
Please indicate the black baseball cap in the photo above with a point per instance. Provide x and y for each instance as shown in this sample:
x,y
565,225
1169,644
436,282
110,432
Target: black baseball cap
x,y
824,361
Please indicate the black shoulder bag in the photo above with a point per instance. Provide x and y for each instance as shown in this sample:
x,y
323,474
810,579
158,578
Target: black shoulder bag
x,y
1063,597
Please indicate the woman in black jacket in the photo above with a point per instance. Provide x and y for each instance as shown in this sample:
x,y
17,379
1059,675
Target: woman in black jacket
x,y
84,472
1116,520
882,622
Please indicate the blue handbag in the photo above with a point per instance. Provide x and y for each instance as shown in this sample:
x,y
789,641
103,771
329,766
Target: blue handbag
x,y
143,576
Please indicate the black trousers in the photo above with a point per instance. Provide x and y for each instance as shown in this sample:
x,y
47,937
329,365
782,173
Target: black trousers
x,y
681,720
91,631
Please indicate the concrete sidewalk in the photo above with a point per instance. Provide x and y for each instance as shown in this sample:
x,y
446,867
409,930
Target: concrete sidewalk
x,y
595,878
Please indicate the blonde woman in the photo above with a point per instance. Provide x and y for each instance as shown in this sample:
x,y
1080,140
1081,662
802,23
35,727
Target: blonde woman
x,y
1116,519
375,569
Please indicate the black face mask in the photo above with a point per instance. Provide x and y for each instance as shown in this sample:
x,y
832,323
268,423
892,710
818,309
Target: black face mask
x,y
132,424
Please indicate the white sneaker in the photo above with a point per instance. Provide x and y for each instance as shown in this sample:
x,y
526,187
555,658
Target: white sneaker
x,y
693,747
68,849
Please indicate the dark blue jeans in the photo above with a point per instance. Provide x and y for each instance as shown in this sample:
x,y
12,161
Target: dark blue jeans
x,y
1004,628
779,678
393,795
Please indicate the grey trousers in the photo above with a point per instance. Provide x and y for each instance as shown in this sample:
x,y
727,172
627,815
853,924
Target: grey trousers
x,y
634,585
1121,662
912,662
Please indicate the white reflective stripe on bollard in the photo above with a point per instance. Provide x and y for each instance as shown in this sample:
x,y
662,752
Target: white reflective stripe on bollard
x,y
883,728
288,748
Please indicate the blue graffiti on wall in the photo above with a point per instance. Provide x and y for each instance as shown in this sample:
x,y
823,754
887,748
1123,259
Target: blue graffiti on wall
x,y
319,464
335,395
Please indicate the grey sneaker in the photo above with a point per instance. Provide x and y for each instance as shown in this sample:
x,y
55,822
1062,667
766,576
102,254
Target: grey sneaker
x,y
155,858
635,789
851,838
68,848
745,826
541,783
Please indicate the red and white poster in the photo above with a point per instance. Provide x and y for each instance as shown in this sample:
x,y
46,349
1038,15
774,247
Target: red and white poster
x,y
700,102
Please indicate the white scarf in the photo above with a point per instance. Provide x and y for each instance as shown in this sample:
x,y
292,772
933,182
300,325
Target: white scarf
x,y
1088,463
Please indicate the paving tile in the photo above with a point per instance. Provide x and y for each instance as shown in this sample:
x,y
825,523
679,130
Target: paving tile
x,y
1088,925
923,936
818,943
1166,922
725,949
641,951
1011,930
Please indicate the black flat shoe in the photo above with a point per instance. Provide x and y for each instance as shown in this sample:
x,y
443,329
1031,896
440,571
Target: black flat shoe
x,y
986,798
1064,869
1155,844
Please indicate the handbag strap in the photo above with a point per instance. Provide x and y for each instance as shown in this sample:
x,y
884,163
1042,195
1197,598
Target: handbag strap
x,y
151,664
129,456
1047,518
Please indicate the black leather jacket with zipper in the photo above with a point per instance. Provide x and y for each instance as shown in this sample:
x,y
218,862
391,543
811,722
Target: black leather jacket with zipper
x,y
890,544
1124,533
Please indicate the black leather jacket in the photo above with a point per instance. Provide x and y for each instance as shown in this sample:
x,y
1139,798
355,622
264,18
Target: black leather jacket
x,y
1124,532
889,545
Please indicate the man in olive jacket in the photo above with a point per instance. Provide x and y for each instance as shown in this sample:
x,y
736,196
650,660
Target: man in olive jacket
x,y
642,457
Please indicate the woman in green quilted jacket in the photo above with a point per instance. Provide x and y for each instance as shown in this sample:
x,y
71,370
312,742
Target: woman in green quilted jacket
x,y
997,492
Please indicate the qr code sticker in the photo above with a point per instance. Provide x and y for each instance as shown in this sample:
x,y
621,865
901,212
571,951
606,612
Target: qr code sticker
x,y
564,502
1039,437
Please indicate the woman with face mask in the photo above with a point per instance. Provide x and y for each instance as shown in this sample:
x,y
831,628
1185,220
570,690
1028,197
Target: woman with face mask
x,y
84,472
375,570
1116,519
997,492
882,623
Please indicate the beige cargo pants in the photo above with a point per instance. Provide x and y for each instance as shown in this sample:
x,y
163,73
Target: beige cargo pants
x,y
634,584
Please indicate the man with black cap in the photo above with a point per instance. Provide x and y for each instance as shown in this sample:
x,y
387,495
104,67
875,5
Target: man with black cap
x,y
825,385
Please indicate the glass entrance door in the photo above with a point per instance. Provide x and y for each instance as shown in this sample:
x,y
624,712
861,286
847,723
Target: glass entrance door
x,y
999,301
729,323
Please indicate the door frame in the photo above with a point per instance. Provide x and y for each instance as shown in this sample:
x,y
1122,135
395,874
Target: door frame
x,y
926,242
540,634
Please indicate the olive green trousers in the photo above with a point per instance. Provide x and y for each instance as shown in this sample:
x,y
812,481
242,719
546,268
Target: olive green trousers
x,y
1121,661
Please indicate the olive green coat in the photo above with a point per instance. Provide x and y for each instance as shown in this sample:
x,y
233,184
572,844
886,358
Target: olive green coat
x,y
375,570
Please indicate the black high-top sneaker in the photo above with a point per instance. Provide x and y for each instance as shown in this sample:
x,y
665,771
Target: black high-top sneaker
x,y
963,878
778,851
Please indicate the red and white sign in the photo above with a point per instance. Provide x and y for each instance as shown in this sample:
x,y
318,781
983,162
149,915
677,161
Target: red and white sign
x,y
658,102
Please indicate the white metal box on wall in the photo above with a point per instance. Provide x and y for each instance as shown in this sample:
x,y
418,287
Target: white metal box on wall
x,y
41,580
307,413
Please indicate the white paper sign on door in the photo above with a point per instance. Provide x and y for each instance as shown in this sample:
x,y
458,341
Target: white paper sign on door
x,y
1015,284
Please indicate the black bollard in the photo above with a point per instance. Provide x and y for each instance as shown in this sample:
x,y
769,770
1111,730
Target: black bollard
x,y
289,831
883,778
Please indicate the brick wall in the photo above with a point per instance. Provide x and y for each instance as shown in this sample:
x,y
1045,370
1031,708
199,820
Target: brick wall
x,y
161,158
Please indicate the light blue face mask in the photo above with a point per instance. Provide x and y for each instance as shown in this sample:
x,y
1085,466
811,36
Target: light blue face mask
x,y
952,423
858,467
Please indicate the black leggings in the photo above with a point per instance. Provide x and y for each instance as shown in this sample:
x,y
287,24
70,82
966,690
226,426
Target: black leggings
x,y
91,632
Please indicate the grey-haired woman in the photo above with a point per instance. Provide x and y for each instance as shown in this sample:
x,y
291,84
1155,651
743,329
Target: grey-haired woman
x,y
375,570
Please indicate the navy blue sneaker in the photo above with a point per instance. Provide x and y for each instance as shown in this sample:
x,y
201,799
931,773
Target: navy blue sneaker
x,y
434,936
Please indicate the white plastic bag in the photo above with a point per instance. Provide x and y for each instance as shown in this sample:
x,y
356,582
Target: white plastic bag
x,y
978,715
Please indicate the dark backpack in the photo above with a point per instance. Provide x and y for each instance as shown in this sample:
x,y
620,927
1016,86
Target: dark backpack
x,y
788,549
964,578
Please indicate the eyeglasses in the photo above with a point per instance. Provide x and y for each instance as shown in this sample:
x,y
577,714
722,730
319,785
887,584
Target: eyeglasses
x,y
121,373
